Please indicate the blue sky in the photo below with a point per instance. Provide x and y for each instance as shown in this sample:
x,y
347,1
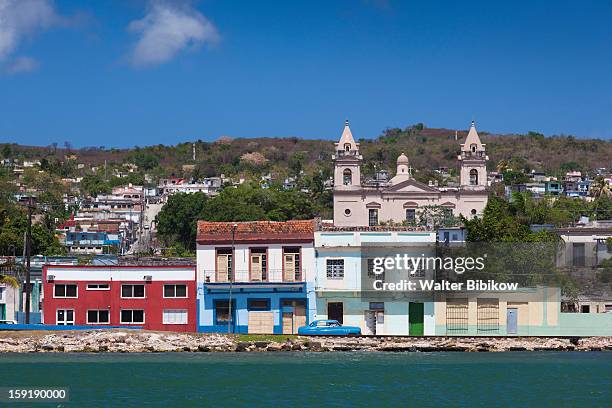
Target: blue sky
x,y
138,72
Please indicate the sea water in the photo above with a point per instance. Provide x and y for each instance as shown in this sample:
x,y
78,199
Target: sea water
x,y
297,379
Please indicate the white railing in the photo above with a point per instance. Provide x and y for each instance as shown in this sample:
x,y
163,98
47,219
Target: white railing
x,y
270,275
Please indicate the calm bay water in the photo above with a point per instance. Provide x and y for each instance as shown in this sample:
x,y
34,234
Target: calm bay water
x,y
546,379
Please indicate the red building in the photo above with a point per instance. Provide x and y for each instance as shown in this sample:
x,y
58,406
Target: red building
x,y
152,297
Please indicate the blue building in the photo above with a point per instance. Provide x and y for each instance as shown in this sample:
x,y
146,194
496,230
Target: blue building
x,y
255,277
92,242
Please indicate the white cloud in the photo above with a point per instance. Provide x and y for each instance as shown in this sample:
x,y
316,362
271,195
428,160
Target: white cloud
x,y
20,19
21,64
168,28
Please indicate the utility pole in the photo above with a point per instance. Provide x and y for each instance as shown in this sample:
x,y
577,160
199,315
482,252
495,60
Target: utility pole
x,y
231,278
28,254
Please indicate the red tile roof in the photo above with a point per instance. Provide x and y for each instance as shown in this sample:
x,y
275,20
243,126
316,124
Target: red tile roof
x,y
256,232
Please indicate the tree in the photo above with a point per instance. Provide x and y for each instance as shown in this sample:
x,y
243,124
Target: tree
x,y
9,280
176,222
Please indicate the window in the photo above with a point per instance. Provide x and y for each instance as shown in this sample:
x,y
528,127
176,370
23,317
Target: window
x,y
292,269
371,274
473,147
174,316
457,316
377,305
222,312
347,177
473,177
347,212
175,291
65,317
224,265
335,269
258,304
98,317
132,316
259,264
372,217
98,286
488,315
132,291
410,215
585,309
65,291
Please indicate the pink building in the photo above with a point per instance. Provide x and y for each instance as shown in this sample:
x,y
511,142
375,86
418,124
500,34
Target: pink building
x,y
399,199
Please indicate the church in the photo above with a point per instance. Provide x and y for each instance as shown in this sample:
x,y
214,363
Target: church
x,y
397,200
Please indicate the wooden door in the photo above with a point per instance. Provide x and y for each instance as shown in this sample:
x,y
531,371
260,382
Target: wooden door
x,y
256,267
288,322
299,316
222,268
289,268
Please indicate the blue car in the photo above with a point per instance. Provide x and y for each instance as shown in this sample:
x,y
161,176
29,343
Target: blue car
x,y
328,328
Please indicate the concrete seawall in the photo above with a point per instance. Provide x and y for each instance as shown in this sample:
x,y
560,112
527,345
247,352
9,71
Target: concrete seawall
x,y
121,341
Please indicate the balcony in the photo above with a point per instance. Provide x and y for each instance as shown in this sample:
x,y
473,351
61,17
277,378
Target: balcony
x,y
243,275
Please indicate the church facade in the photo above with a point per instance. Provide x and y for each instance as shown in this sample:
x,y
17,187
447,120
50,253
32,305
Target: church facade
x,y
398,200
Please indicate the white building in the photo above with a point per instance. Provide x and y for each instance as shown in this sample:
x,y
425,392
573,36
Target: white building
x,y
345,279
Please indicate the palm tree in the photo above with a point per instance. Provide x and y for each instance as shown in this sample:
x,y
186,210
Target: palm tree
x,y
9,280
502,166
600,188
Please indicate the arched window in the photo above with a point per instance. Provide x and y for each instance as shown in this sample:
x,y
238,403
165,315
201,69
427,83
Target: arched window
x,y
473,147
473,177
347,147
347,177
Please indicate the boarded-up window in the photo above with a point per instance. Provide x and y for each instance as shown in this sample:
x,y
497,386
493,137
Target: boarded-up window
x,y
488,315
261,322
175,316
457,316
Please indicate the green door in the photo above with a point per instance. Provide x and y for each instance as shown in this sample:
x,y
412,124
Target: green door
x,y
416,312
3,312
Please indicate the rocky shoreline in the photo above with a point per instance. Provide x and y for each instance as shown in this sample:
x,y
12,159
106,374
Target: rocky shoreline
x,y
118,341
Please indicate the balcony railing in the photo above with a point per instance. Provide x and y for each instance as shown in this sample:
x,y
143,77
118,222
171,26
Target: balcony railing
x,y
242,275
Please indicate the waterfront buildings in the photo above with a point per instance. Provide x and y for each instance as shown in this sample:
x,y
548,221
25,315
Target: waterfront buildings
x,y
255,277
151,297
345,279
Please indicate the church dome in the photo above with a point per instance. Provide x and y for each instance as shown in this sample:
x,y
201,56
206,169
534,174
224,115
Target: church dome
x,y
402,159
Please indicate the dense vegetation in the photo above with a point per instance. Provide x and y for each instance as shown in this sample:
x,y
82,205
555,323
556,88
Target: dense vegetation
x,y
427,149
176,223
13,218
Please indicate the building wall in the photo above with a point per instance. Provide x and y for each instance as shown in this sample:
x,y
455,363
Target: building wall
x,y
9,299
538,311
396,317
207,322
355,247
392,207
274,289
206,260
153,303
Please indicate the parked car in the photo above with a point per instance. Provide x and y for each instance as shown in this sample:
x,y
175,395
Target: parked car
x,y
8,322
329,328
